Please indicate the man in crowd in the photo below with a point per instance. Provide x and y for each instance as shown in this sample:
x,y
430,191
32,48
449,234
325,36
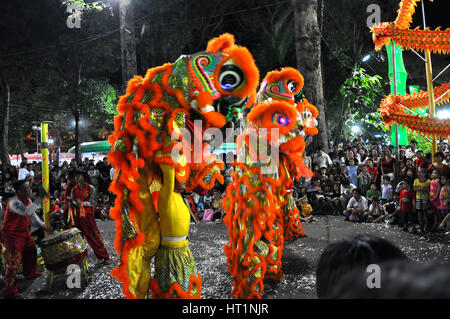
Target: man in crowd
x,y
20,247
322,159
356,207
82,202
24,173
411,150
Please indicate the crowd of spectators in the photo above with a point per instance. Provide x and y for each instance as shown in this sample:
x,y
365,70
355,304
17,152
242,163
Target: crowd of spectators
x,y
204,207
367,183
97,174
362,183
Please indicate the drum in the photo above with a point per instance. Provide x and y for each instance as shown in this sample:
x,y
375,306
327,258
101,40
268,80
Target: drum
x,y
62,249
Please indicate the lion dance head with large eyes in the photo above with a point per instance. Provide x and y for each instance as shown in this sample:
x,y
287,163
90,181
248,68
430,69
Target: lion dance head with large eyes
x,y
261,212
158,116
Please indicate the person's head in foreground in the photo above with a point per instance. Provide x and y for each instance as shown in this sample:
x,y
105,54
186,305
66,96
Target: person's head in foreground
x,y
348,254
396,279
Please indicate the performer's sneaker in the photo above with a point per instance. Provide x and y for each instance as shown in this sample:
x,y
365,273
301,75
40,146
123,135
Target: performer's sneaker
x,y
38,274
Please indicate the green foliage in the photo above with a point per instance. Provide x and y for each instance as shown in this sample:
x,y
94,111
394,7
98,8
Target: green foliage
x,y
100,99
87,6
362,94
422,143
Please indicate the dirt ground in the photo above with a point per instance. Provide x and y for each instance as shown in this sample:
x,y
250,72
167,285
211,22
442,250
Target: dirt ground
x,y
207,239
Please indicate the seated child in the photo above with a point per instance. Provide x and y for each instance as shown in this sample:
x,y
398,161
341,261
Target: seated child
x,y
392,210
305,210
375,213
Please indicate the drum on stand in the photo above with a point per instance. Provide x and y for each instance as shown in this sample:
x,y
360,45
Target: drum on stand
x,y
62,249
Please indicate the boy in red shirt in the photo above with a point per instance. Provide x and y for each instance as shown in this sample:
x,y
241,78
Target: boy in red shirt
x,y
373,171
420,161
408,205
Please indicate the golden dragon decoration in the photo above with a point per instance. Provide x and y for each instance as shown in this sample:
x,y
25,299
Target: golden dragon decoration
x,y
393,107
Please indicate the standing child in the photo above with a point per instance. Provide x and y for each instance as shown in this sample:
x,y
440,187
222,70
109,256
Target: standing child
x,y
408,205
352,172
324,178
422,189
435,189
444,198
364,179
372,170
386,189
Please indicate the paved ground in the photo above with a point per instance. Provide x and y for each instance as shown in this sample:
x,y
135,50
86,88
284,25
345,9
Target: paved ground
x,y
207,239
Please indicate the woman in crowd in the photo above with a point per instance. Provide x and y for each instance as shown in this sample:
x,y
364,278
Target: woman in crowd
x,y
435,189
351,173
439,165
387,164
350,155
94,176
335,174
7,183
362,155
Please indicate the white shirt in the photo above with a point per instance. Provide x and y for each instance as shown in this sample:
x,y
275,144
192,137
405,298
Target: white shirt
x,y
307,161
386,191
196,198
112,171
2,214
410,153
23,174
228,172
375,210
347,190
322,160
17,207
361,204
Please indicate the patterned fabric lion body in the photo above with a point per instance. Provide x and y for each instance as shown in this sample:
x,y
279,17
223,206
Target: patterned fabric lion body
x,y
257,201
159,119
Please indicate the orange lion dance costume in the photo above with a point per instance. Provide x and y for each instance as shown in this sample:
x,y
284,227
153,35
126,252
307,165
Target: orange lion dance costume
x,y
259,205
160,117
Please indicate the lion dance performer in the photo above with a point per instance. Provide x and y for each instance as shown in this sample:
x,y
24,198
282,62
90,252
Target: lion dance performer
x,y
82,202
20,247
281,85
257,202
161,117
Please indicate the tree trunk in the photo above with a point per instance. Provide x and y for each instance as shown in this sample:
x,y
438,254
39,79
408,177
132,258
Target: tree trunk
x,y
357,49
340,127
77,137
21,145
308,53
4,115
127,42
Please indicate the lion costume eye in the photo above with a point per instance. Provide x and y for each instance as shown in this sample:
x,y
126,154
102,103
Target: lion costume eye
x,y
280,119
306,114
230,77
292,85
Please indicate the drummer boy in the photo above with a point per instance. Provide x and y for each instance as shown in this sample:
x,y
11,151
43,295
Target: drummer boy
x,y
20,247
